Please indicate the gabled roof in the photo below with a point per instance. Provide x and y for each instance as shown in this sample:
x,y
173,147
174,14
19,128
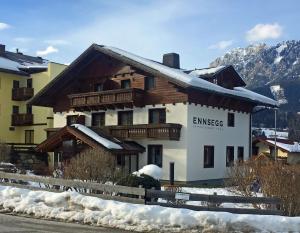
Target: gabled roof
x,y
176,76
90,137
284,144
18,63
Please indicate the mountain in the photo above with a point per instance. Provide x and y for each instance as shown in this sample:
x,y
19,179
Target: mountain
x,y
273,71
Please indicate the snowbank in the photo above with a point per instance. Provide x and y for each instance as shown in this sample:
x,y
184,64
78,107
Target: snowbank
x,y
71,206
150,170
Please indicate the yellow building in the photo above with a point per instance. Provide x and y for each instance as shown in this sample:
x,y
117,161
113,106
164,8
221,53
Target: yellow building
x,y
21,77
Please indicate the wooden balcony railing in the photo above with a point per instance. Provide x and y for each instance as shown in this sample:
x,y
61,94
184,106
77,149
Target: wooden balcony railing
x,y
22,93
107,99
21,119
155,131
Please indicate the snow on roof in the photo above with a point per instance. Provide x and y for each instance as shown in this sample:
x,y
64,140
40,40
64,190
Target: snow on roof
x,y
18,65
8,64
270,133
103,141
206,71
288,147
192,80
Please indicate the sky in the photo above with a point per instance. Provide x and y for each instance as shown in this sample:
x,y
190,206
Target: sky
x,y
199,30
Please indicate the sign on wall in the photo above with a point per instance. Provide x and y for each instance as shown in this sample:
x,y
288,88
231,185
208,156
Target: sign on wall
x,y
207,123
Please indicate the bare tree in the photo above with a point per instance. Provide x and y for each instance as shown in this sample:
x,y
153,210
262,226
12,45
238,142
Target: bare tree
x,y
93,165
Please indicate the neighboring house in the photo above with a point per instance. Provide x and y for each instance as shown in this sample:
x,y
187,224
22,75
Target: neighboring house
x,y
286,149
21,76
199,119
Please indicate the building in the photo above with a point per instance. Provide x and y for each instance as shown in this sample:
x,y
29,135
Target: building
x,y
287,150
22,76
199,119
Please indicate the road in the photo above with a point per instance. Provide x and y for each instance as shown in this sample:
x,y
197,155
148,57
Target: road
x,y
18,224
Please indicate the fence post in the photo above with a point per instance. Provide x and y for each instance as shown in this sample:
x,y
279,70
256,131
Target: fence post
x,y
172,173
140,196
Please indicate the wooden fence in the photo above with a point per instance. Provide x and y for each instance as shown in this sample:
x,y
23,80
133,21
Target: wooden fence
x,y
212,202
144,196
104,191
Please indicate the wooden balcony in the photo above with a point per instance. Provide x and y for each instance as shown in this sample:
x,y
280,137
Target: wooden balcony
x,y
142,131
22,93
21,119
111,99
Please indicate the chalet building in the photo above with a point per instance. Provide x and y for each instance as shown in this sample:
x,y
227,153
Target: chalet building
x,y
286,150
147,112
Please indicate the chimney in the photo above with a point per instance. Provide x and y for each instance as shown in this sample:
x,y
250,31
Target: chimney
x,y
171,60
2,49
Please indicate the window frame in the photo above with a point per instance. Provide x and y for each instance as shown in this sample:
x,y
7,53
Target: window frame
x,y
69,123
230,119
130,112
158,162
239,149
161,118
147,82
102,121
205,156
229,157
29,136
124,82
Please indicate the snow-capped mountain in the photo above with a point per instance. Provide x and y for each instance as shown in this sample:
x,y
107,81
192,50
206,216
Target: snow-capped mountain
x,y
261,65
270,70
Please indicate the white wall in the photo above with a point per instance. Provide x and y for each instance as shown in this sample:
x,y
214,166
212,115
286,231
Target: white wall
x,y
217,136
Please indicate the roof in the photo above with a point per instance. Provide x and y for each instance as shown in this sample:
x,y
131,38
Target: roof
x,y
284,144
176,76
90,137
18,63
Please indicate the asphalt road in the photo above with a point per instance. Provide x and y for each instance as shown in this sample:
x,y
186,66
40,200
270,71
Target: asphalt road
x,y
18,224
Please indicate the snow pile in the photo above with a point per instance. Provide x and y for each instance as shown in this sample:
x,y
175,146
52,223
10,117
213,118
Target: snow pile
x,y
150,170
103,141
71,206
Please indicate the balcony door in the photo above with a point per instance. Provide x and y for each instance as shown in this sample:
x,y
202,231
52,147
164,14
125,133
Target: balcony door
x,y
125,118
155,154
157,116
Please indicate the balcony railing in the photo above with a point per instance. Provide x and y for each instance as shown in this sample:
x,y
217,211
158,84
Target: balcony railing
x,y
155,131
21,119
107,99
22,93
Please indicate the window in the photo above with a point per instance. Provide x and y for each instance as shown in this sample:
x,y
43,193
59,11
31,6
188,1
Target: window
x,y
125,84
149,83
121,160
230,119
98,119
240,154
29,83
29,136
16,84
98,87
15,109
157,116
229,156
125,118
71,119
155,154
208,156
29,109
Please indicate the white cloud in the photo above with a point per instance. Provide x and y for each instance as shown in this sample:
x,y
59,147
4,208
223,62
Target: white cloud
x,y
48,50
56,42
264,31
4,26
221,44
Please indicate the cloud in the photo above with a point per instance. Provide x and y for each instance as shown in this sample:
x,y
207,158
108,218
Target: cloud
x,y
264,31
50,49
221,44
4,26
56,42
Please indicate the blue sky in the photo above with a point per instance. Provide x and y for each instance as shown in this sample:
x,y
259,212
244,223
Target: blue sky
x,y
199,31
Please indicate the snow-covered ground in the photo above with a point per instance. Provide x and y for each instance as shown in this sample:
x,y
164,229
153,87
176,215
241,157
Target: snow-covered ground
x,y
71,206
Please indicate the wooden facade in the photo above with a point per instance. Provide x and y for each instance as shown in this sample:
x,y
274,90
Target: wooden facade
x,y
22,93
21,119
